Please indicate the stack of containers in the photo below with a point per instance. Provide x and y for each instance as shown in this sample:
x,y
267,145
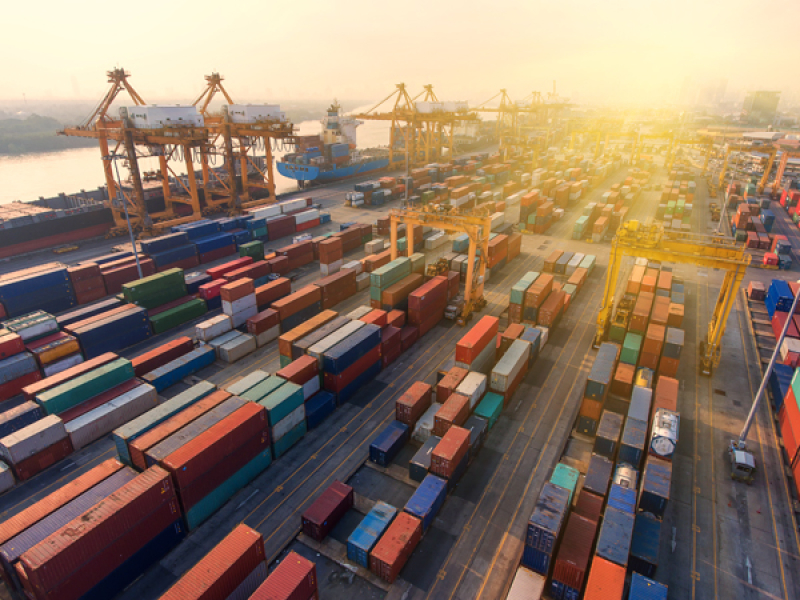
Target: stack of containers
x,y
298,255
215,246
176,250
295,342
476,350
35,447
535,296
331,255
298,307
597,388
386,276
304,372
264,326
426,304
510,370
18,368
517,296
270,292
235,567
118,272
544,528
239,301
87,282
101,551
112,330
286,412
352,362
47,289
337,288
178,368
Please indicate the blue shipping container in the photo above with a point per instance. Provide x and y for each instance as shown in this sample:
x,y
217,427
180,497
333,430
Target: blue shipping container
x,y
544,527
14,419
614,541
368,532
84,312
622,498
598,475
318,407
427,500
118,342
300,317
631,447
167,257
656,481
212,242
779,382
478,428
193,281
349,350
645,543
388,443
643,588
164,242
350,389
185,365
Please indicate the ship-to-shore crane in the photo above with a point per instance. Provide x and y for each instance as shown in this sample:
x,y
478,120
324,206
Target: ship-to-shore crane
x,y
476,225
649,240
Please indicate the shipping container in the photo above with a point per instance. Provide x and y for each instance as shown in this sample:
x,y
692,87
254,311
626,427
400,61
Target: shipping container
x,y
483,333
598,476
388,443
413,403
544,528
394,548
322,516
632,443
614,540
606,581
656,483
645,544
572,559
368,532
427,500
643,588
566,477
295,578
450,452
608,433
453,412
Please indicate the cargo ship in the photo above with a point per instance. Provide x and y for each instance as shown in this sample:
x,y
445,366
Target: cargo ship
x,y
332,155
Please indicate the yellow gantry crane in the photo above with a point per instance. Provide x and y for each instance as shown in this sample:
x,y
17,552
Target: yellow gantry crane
x,y
475,224
784,161
168,143
675,147
651,241
770,151
239,143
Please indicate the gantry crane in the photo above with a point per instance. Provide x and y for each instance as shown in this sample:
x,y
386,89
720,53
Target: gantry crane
x,y
672,153
168,143
475,224
649,240
652,136
784,161
239,142
770,151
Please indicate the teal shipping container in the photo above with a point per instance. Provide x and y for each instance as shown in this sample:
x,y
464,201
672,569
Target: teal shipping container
x,y
566,477
490,408
63,397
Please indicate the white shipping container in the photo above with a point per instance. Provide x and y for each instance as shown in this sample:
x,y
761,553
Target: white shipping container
x,y
318,350
237,348
106,418
156,116
355,265
63,364
498,219
213,328
266,211
789,345
293,205
240,318
362,281
527,585
424,427
289,422
330,269
245,383
16,366
473,386
639,408
509,367
6,478
311,387
223,339
34,326
34,438
237,306
251,113
306,216
664,436
265,337
485,360
359,312
374,246
545,334
354,196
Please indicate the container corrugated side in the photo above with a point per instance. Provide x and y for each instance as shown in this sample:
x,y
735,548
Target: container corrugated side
x,y
295,577
31,439
369,530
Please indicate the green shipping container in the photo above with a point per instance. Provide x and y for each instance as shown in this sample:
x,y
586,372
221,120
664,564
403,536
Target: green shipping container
x,y
588,263
630,348
284,360
616,333
566,477
288,440
254,249
519,288
282,401
169,319
144,423
402,244
490,408
391,273
225,491
156,290
263,389
63,397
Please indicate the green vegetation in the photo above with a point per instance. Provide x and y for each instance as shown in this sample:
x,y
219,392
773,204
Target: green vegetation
x,y
36,134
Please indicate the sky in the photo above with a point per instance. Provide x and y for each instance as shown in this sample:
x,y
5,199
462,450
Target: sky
x,y
612,51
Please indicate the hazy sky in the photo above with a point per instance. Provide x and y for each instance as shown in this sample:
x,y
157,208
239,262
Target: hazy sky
x,y
613,50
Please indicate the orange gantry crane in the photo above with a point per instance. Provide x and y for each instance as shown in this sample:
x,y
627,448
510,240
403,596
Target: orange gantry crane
x,y
237,135
170,142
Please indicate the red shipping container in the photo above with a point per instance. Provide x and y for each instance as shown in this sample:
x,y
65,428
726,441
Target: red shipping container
x,y
89,285
589,505
622,384
89,536
90,295
30,391
575,551
293,303
37,463
139,446
646,359
322,516
223,569
274,290
14,387
212,289
666,395
212,255
220,270
263,321
469,347
252,271
453,412
295,578
551,309
84,272
449,383
78,325
396,318
789,424
428,295
779,320
10,344
236,289
449,452
99,400
413,403
70,490
185,264
394,548
301,370
158,357
375,317
408,336
668,367
195,458
336,383
115,278
279,265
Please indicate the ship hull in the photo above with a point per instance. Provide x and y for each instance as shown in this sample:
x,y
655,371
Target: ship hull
x,y
311,173
55,232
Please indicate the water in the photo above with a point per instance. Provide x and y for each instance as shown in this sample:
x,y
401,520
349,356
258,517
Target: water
x,y
29,176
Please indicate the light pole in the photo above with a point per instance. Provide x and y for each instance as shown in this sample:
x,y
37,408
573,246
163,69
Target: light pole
x,y
121,199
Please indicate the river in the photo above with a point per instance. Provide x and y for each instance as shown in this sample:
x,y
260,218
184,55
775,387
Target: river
x,y
30,176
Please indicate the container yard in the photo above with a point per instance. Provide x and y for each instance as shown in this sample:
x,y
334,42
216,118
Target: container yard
x,y
519,372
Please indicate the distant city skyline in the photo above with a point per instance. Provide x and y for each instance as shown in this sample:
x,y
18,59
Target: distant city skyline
x,y
620,51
